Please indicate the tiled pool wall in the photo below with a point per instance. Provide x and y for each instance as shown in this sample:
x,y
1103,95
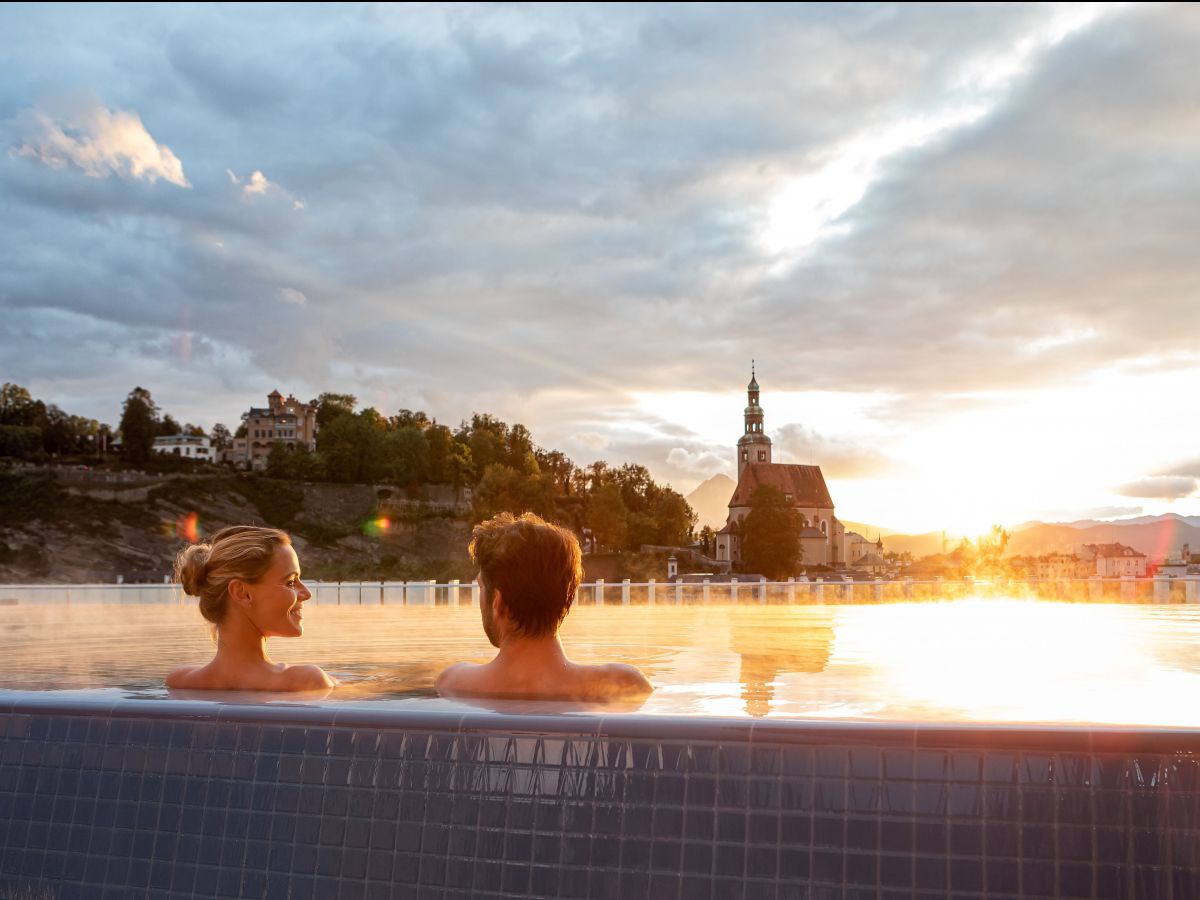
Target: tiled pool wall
x,y
166,798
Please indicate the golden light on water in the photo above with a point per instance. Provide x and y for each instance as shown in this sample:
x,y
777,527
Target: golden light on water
x,y
972,660
1021,661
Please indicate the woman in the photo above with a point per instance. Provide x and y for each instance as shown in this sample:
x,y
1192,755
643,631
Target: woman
x,y
248,582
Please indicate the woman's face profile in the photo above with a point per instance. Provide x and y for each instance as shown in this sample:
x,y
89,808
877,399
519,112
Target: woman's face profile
x,y
278,596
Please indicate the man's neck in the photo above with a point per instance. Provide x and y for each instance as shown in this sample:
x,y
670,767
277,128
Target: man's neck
x,y
520,651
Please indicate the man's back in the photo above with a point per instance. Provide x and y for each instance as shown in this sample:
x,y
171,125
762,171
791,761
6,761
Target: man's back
x,y
529,571
531,676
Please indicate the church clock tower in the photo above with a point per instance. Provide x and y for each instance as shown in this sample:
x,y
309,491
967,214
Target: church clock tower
x,y
753,446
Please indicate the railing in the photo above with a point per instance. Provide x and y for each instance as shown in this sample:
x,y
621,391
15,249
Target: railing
x,y
597,593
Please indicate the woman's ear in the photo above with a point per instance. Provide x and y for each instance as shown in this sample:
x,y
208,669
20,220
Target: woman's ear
x,y
239,593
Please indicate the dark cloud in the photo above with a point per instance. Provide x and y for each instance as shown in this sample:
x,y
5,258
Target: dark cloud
x,y
499,201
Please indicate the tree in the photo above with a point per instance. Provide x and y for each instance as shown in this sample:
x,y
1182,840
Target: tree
x,y
168,427
708,539
674,519
991,548
408,455
221,437
16,406
607,516
460,468
771,534
407,417
330,406
354,448
558,466
504,489
139,425
487,437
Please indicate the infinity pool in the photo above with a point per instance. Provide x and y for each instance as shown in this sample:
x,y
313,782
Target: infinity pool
x,y
962,661
940,751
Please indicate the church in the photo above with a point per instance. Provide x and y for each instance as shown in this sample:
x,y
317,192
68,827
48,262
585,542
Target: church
x,y
823,539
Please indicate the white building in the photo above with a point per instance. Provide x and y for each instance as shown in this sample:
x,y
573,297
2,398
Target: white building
x,y
1114,560
188,446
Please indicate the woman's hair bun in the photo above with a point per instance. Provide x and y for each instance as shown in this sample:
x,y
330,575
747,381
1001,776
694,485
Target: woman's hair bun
x,y
191,568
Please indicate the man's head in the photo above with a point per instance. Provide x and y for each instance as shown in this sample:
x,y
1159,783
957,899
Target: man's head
x,y
534,565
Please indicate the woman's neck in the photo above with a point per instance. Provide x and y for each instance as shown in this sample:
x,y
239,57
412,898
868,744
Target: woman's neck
x,y
238,640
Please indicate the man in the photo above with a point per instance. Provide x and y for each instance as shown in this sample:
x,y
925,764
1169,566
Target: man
x,y
528,573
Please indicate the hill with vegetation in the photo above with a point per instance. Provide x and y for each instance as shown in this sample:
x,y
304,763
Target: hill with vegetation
x,y
379,497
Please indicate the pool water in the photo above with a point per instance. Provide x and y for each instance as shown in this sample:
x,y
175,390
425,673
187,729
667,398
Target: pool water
x,y
1015,661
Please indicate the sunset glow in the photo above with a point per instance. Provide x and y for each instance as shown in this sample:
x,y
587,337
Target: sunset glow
x,y
960,246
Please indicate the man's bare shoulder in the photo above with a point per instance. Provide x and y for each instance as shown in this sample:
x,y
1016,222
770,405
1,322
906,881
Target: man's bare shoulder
x,y
619,680
460,678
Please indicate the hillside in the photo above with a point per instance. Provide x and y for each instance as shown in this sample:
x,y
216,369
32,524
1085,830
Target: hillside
x,y
56,532
1156,537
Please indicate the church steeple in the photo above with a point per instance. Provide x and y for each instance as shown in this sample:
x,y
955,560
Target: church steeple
x,y
753,446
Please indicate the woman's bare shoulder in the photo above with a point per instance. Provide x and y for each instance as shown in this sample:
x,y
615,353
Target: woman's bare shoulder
x,y
306,678
184,676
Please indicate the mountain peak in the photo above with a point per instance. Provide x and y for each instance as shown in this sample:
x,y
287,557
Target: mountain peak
x,y
710,500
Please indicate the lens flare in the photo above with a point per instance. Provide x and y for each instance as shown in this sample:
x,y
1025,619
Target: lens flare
x,y
377,527
188,528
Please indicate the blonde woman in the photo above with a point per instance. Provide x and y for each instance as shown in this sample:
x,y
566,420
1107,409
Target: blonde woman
x,y
248,581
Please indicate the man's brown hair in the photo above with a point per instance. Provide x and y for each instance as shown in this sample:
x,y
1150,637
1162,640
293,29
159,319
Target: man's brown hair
x,y
535,565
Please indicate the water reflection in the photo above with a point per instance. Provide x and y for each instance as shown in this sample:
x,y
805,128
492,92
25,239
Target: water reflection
x,y
769,647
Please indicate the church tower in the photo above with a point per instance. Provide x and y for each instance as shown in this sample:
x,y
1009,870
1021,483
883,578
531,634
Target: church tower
x,y
753,446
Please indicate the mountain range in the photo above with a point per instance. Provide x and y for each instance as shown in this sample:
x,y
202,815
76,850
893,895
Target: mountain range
x,y
1156,536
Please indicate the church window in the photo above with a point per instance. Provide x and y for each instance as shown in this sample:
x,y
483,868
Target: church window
x,y
745,455
787,497
762,455
823,531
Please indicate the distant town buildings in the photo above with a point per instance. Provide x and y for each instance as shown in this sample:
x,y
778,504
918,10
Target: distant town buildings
x,y
823,539
189,446
1114,560
283,421
1058,566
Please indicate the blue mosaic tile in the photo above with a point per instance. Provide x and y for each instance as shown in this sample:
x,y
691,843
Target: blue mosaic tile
x,y
242,806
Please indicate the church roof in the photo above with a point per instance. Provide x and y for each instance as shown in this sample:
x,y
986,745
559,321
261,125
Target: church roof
x,y
806,484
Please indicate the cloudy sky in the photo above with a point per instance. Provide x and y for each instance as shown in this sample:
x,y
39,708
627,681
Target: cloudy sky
x,y
961,243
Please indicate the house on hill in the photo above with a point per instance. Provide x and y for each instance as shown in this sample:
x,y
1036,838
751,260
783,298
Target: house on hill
x,y
823,539
283,420
1114,560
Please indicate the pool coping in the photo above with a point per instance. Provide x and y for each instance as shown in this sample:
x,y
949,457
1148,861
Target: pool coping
x,y
512,717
